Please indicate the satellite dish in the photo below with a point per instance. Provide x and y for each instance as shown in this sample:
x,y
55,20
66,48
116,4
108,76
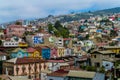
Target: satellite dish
x,y
51,39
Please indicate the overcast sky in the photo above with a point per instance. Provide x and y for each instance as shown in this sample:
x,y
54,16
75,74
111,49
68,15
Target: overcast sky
x,y
24,9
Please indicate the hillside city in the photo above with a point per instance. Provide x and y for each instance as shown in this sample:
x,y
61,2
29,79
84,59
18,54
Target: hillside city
x,y
61,48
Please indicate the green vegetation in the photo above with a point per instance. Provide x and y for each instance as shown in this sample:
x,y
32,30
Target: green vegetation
x,y
113,33
102,70
58,30
91,68
18,23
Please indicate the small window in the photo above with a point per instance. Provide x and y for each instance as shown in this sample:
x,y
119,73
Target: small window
x,y
9,43
94,56
50,79
60,40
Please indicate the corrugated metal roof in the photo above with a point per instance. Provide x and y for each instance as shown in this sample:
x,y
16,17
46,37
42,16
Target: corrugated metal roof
x,y
82,74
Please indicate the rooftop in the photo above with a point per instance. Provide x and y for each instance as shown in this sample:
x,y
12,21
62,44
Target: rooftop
x,y
2,53
82,74
109,47
59,73
103,52
17,49
25,60
31,49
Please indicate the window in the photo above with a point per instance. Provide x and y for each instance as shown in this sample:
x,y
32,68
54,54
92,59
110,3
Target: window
x,y
6,44
60,40
94,56
50,79
97,64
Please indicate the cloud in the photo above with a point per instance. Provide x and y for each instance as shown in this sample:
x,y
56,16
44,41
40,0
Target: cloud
x,y
22,9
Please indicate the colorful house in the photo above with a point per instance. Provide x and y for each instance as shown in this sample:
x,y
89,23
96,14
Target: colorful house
x,y
67,52
60,51
98,57
22,44
33,53
16,30
68,42
45,52
24,67
115,49
54,52
19,53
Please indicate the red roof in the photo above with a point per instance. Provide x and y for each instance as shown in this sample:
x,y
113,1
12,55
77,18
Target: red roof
x,y
2,53
59,73
28,60
60,61
67,39
30,50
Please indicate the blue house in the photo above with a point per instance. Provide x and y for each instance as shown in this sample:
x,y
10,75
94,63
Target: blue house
x,y
19,53
45,52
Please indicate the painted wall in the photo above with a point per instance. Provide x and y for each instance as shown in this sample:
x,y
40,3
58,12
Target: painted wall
x,y
19,54
54,53
46,53
108,65
28,70
60,51
67,52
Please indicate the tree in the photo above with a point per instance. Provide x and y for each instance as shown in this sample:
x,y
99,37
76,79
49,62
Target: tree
x,y
50,28
87,36
57,33
113,33
18,23
102,70
57,25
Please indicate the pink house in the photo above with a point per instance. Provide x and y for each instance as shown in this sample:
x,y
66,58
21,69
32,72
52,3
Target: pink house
x,y
16,30
54,53
24,67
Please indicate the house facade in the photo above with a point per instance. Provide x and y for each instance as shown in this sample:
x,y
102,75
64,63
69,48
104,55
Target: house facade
x,y
115,49
15,30
33,53
24,67
44,51
97,57
19,53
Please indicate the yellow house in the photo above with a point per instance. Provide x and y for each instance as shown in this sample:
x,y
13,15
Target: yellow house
x,y
115,49
60,51
33,53
23,44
